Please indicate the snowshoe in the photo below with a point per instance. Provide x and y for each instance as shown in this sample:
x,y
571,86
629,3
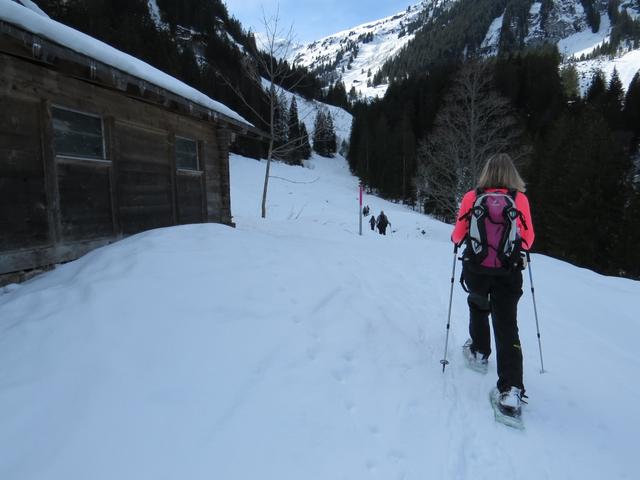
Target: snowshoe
x,y
474,360
507,407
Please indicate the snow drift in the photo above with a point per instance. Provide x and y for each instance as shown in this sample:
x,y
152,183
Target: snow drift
x,y
294,348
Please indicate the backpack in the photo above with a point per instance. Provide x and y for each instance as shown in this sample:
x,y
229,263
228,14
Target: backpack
x,y
493,243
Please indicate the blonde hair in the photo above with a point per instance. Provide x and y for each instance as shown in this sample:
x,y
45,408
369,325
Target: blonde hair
x,y
499,171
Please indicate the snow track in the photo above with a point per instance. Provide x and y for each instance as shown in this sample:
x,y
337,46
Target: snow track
x,y
293,348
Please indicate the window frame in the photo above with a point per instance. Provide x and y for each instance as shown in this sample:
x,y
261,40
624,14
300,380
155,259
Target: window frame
x,y
103,160
193,171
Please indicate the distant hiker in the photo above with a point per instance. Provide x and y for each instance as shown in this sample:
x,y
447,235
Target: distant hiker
x,y
372,222
365,210
382,223
495,223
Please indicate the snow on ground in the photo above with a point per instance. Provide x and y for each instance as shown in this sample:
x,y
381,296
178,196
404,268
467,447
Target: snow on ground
x,y
585,41
293,348
627,65
156,17
492,38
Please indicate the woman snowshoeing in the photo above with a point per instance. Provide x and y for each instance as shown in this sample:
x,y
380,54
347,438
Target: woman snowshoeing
x,y
495,222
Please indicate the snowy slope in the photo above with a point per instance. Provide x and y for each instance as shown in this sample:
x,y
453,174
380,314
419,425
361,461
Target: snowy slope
x,y
292,348
308,109
376,42
627,65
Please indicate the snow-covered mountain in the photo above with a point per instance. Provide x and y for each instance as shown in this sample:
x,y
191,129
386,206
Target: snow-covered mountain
x,y
355,55
567,24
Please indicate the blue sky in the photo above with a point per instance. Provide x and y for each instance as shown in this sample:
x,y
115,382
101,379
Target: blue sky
x,y
314,19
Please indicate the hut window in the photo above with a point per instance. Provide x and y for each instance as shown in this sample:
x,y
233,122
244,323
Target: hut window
x,y
186,154
77,134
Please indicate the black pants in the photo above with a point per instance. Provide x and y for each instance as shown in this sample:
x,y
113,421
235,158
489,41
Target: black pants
x,y
383,230
497,295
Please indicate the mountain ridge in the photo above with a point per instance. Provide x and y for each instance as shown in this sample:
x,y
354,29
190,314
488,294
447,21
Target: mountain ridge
x,y
403,44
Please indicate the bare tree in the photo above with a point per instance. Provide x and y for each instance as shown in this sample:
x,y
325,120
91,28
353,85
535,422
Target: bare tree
x,y
266,66
473,123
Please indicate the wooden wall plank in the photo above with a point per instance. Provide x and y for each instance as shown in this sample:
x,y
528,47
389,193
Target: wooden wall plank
x,y
23,200
189,191
144,181
48,158
85,200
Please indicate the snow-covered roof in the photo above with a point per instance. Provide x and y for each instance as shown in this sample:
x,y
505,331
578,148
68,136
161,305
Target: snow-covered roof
x,y
37,24
32,6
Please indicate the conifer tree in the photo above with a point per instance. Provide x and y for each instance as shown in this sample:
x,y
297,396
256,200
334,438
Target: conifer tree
x,y
331,140
592,13
613,10
631,260
280,128
337,95
632,106
614,99
597,88
305,147
579,199
324,135
294,135
570,82
408,154
319,126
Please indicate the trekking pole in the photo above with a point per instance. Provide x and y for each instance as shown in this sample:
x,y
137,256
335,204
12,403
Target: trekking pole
x,y
535,311
444,361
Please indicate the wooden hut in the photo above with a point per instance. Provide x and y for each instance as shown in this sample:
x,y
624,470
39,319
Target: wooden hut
x,y
96,145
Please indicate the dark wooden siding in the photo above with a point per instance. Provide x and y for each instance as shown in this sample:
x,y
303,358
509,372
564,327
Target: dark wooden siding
x,y
85,199
144,179
54,209
23,199
190,197
216,167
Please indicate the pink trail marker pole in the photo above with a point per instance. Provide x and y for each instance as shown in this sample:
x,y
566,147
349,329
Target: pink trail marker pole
x,y
360,210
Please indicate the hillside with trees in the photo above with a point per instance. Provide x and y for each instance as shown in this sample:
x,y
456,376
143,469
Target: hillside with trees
x,y
579,156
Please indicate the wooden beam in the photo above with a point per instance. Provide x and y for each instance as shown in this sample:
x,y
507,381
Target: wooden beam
x,y
51,175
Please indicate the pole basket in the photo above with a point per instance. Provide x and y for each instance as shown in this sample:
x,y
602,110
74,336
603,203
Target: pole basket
x,y
444,363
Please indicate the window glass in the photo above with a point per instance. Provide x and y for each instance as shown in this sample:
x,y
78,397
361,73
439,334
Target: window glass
x,y
186,154
77,135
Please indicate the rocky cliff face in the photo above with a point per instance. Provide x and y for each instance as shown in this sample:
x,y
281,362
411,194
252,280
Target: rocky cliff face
x,y
552,21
